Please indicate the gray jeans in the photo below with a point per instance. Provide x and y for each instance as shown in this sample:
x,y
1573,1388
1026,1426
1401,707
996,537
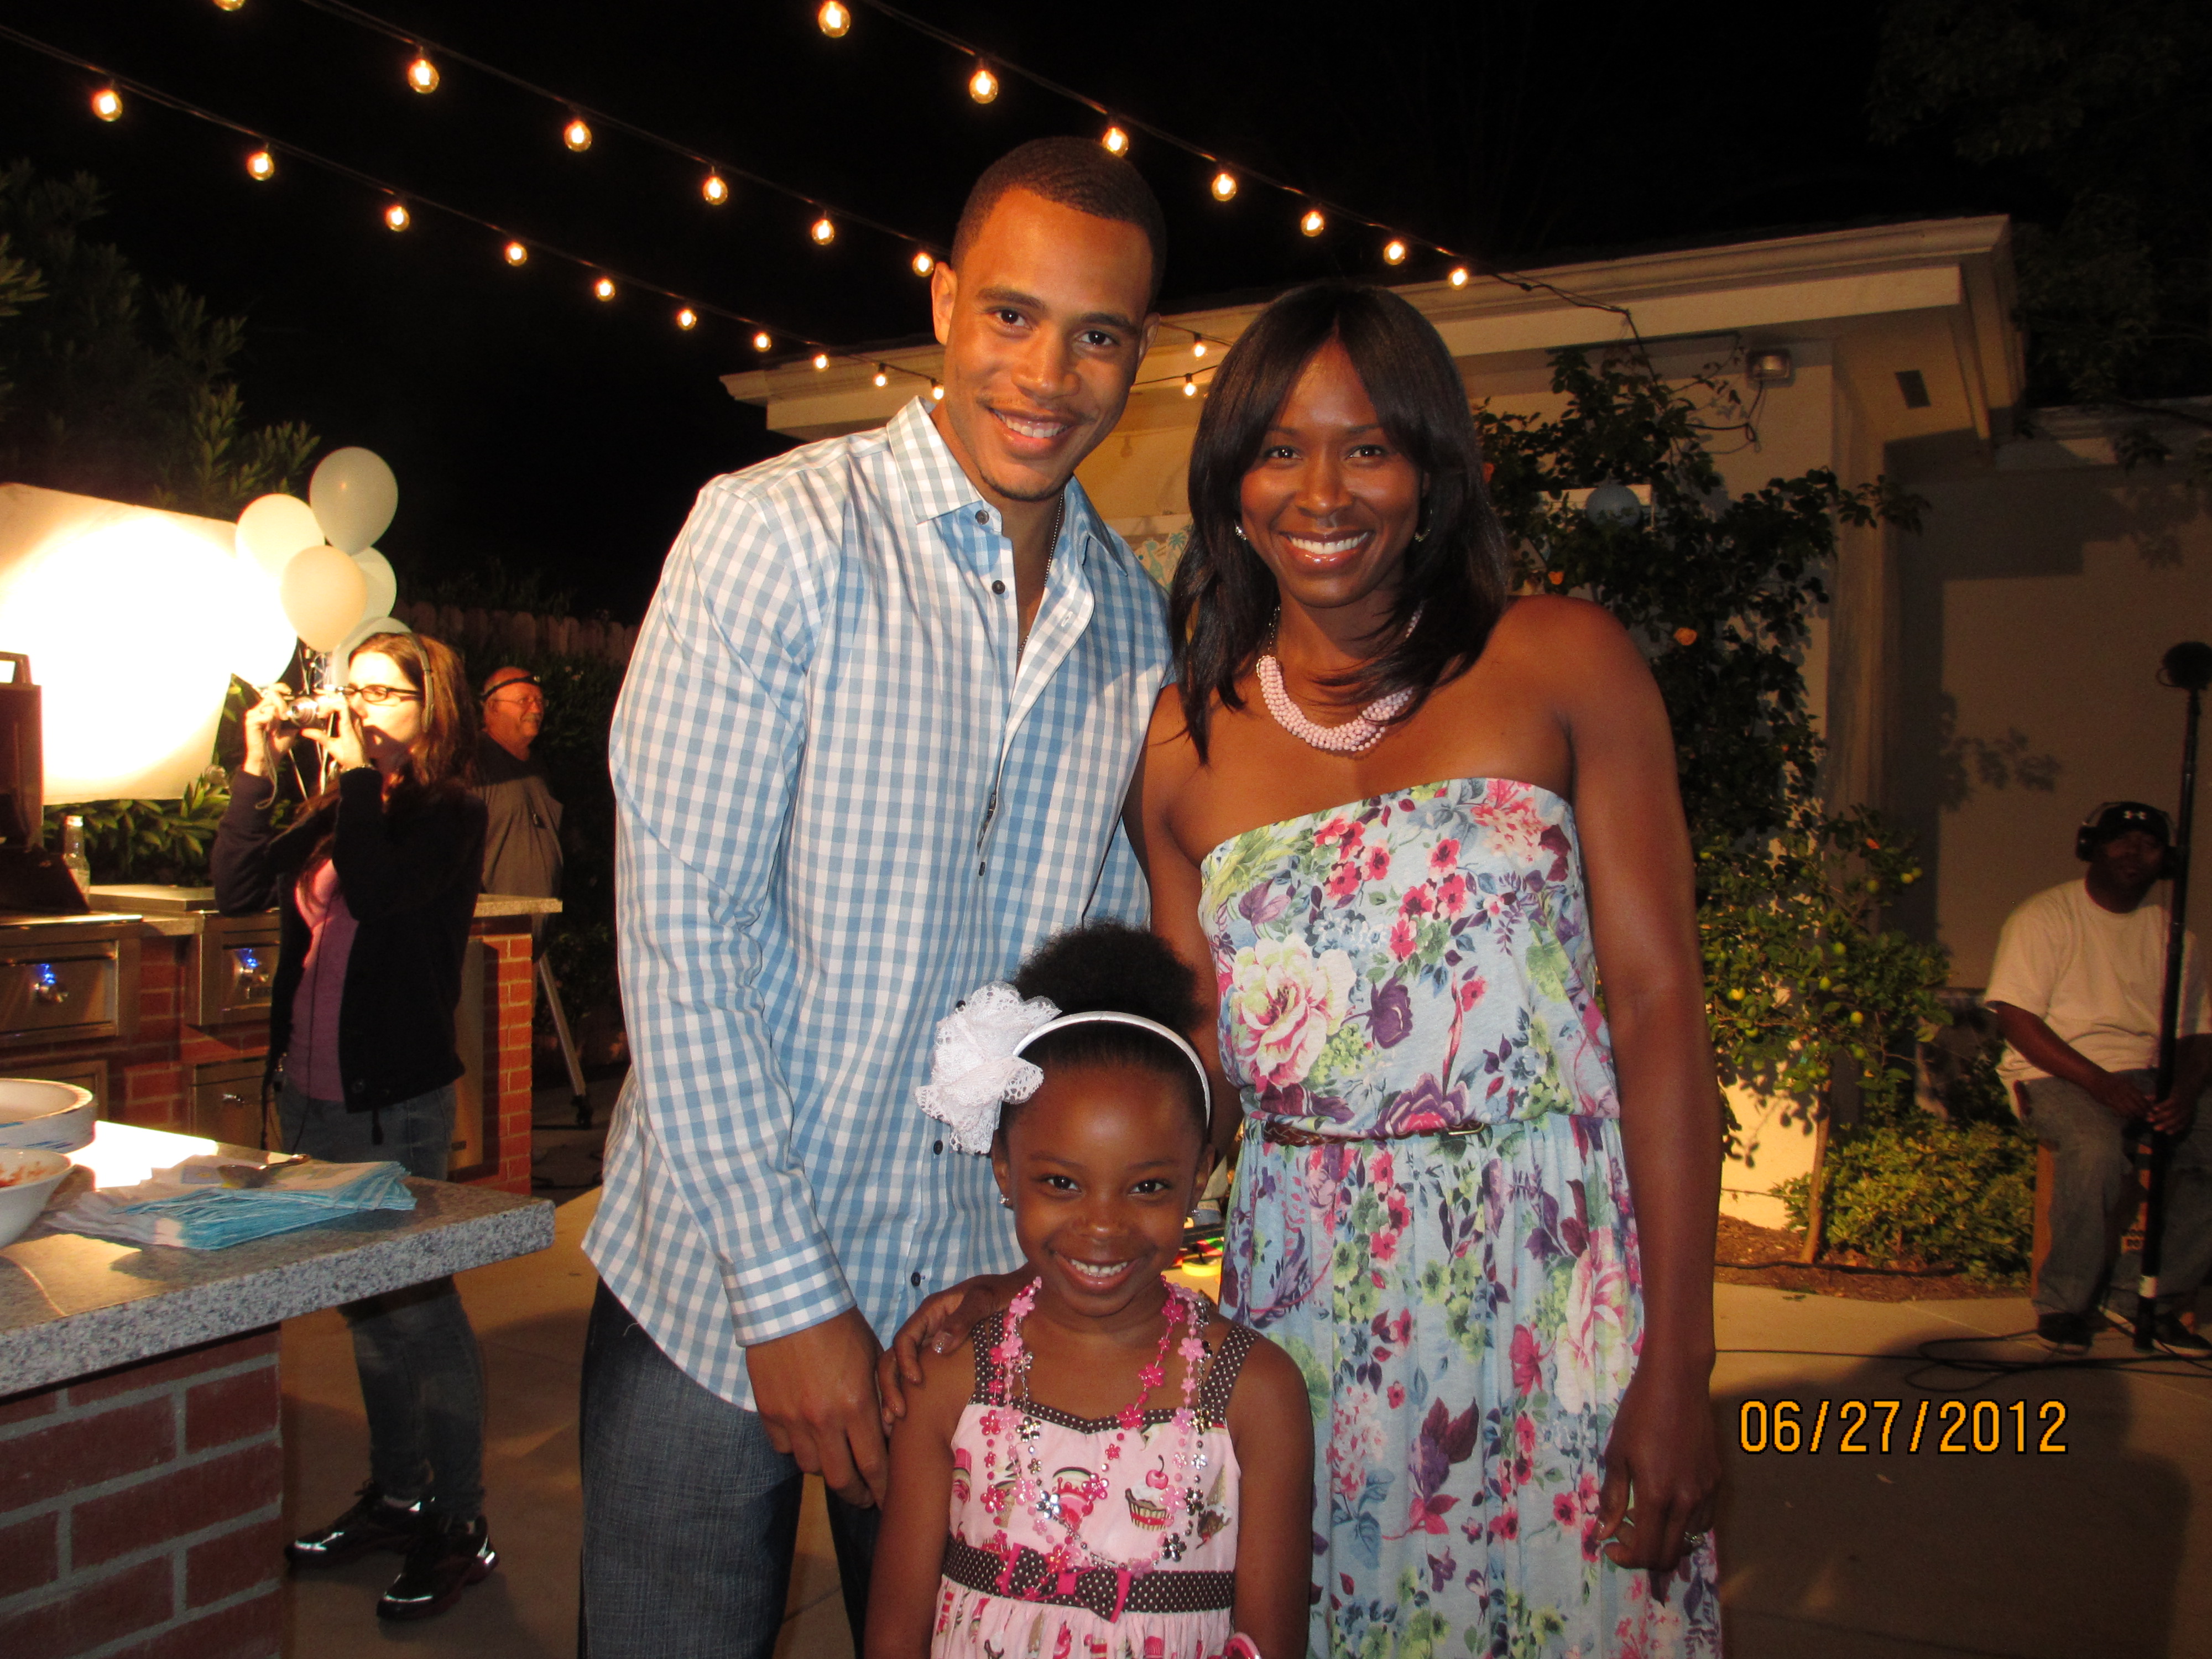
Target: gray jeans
x,y
2093,1177
421,1375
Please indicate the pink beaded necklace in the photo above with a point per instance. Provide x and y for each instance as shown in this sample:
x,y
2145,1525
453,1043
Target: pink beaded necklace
x,y
1355,735
1072,1555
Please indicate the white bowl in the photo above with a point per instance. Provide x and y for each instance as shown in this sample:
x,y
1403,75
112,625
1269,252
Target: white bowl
x,y
30,1178
39,1115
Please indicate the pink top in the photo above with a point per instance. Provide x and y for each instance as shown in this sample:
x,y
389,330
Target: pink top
x,y
1178,1612
312,1060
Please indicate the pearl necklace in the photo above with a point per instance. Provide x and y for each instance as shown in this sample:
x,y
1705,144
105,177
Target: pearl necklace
x,y
1180,1496
1355,735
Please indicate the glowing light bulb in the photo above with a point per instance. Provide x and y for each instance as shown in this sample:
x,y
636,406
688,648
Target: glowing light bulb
x,y
1312,223
229,5
936,391
715,189
576,135
983,85
396,217
516,253
823,231
686,317
821,360
604,288
1224,184
924,263
1190,386
107,104
1393,253
1116,140
423,74
1458,277
834,19
261,166
761,341
882,378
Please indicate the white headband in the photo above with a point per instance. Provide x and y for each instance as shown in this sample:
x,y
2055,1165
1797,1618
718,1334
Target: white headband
x,y
977,1066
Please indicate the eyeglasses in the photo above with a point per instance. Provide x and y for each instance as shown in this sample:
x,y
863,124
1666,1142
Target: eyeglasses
x,y
377,696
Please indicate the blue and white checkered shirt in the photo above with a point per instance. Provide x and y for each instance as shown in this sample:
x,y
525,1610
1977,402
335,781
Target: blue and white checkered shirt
x,y
845,800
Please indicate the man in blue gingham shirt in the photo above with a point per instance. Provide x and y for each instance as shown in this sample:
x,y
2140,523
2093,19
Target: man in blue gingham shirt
x,y
854,781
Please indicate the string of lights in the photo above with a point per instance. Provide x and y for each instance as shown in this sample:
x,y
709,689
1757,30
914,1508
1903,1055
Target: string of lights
x,y
834,18
584,121
108,103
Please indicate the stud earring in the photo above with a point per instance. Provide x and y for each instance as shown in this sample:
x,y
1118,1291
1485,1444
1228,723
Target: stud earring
x,y
1238,530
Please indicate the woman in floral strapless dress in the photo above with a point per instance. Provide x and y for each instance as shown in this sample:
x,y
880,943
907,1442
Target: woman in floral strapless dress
x,y
1491,1260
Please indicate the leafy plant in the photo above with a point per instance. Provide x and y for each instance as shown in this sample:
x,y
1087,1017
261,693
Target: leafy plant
x,y
1939,1194
1720,589
115,388
149,841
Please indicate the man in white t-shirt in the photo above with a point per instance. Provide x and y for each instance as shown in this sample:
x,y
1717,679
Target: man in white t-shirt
x,y
2080,973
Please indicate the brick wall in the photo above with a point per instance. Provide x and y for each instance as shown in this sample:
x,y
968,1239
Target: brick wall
x,y
508,1067
140,1511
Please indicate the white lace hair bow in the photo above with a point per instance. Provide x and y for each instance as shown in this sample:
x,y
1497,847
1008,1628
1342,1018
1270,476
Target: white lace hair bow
x,y
975,1069
978,1066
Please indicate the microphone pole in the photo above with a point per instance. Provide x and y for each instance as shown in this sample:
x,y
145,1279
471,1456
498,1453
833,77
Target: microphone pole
x,y
2186,668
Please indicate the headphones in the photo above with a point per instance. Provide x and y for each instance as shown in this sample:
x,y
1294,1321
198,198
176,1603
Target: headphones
x,y
2125,815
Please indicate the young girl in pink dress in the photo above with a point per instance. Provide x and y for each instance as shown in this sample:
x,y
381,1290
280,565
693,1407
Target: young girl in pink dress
x,y
1108,1469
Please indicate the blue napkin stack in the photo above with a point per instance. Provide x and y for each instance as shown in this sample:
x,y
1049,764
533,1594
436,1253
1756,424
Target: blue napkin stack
x,y
194,1206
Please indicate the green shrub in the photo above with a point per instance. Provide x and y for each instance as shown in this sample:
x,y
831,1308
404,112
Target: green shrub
x,y
1959,1195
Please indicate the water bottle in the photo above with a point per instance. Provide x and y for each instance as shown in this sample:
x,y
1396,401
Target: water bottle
x,y
73,854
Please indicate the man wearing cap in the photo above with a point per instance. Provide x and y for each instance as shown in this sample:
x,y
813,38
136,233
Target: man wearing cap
x,y
522,840
2077,988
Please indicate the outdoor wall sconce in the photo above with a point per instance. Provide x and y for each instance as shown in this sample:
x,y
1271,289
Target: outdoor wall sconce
x,y
1770,366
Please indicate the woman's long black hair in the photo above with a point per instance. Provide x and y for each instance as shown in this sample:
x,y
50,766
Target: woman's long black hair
x,y
1223,595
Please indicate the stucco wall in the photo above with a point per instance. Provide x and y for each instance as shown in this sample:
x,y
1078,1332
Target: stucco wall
x,y
2034,608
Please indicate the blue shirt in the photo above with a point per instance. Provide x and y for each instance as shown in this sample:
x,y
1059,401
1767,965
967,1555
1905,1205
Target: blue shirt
x,y
845,798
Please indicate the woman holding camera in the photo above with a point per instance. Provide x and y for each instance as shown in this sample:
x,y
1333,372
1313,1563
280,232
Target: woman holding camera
x,y
376,879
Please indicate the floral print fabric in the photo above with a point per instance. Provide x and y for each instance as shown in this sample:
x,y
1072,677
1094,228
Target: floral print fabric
x,y
1457,1277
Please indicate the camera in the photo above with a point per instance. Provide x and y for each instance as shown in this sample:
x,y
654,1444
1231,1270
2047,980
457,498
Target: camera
x,y
304,711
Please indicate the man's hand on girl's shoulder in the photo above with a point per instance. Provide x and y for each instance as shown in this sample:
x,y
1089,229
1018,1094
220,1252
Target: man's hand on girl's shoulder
x,y
941,1324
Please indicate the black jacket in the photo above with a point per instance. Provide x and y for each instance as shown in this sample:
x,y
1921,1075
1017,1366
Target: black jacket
x,y
411,878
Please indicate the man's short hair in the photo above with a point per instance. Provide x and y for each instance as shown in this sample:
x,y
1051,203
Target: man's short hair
x,y
1075,172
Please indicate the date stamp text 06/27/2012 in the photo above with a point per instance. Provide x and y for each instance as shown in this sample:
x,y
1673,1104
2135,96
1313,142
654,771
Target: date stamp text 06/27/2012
x,y
1895,1426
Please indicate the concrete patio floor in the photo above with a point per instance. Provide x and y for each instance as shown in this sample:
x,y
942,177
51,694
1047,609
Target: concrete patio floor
x,y
2105,1549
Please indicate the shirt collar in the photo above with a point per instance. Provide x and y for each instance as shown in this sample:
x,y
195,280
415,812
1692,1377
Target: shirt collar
x,y
934,482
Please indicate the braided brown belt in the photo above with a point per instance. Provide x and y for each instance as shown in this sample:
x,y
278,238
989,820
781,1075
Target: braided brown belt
x,y
1283,1134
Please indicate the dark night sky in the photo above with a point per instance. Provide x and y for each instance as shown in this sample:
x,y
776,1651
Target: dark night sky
x,y
527,420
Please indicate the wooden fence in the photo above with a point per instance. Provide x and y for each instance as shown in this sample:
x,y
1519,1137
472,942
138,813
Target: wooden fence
x,y
521,633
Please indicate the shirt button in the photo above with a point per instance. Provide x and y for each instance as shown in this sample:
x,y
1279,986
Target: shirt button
x,y
937,1146
914,1279
982,515
998,587
981,867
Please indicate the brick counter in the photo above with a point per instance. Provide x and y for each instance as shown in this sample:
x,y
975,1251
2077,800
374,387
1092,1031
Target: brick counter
x,y
140,1510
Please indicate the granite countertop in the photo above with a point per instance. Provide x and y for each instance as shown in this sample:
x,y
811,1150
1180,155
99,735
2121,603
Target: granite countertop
x,y
70,1305
185,912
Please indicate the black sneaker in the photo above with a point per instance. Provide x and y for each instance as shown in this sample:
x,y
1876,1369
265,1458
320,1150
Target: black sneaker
x,y
446,1557
373,1523
2176,1337
2065,1333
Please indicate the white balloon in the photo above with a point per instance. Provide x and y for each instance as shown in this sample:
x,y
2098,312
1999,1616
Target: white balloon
x,y
322,590
275,527
262,637
355,497
383,585
363,630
